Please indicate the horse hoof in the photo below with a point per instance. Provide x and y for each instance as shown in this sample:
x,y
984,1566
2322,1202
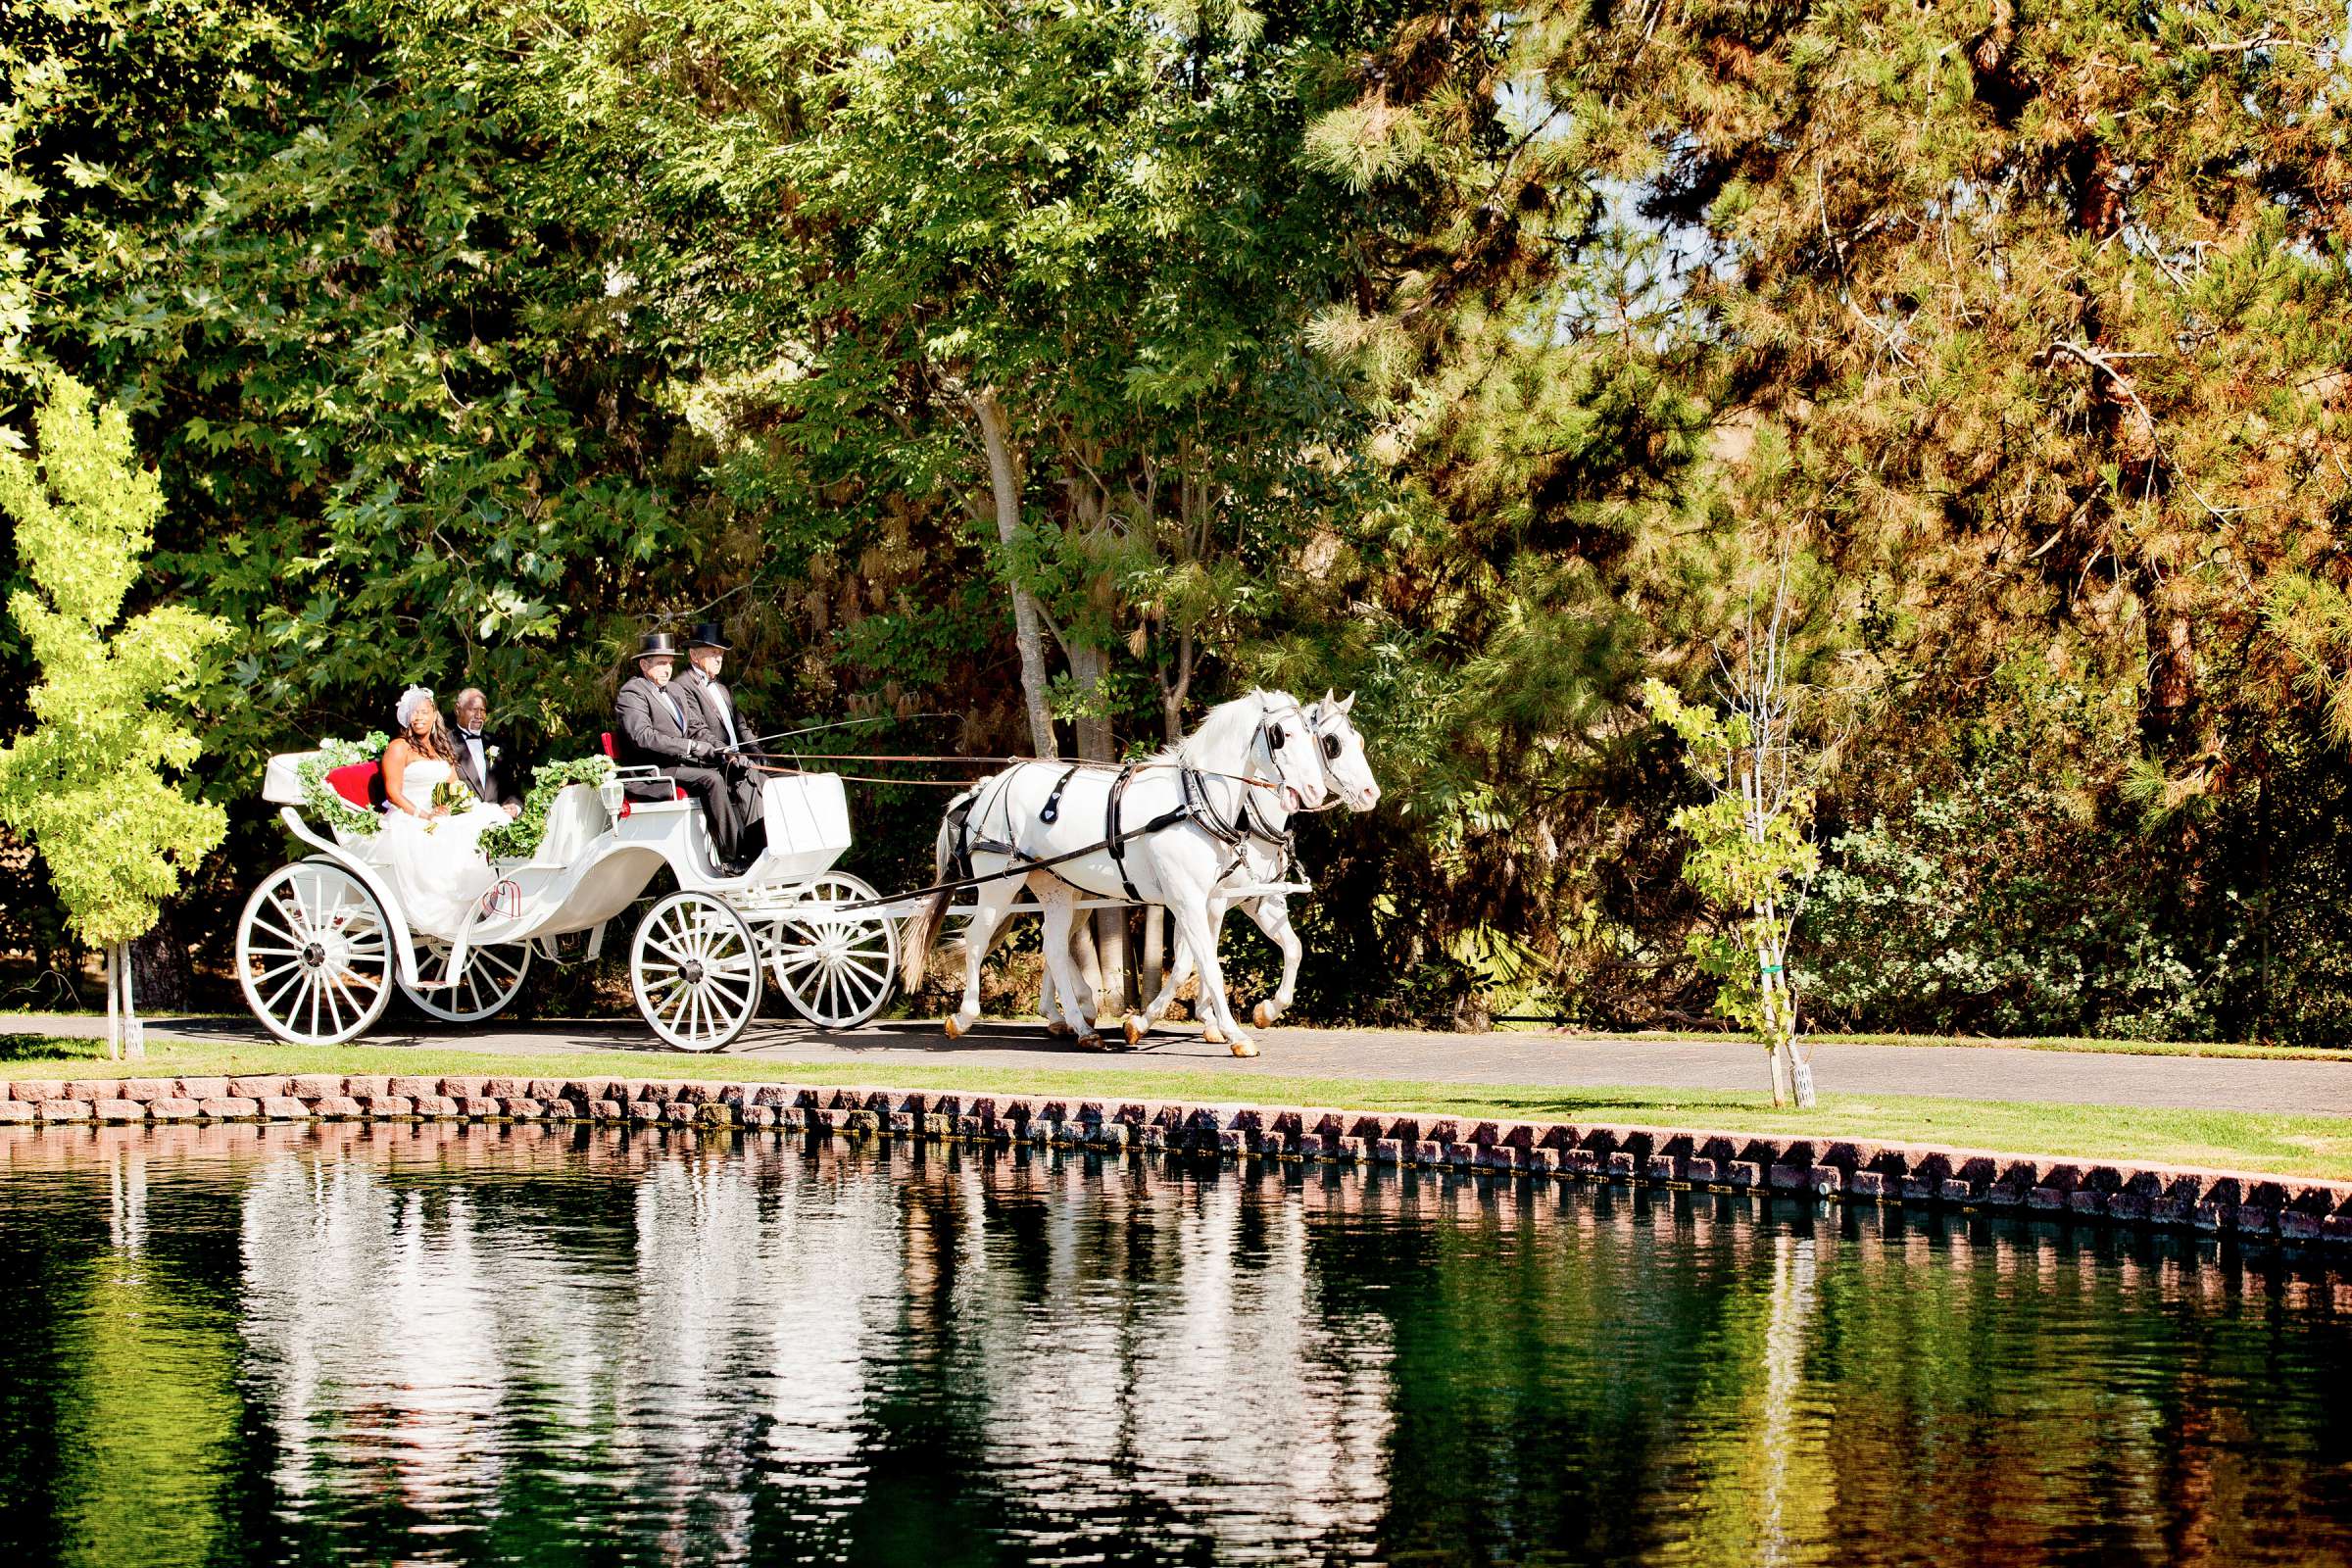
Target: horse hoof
x,y
955,1029
1211,1035
1135,1030
1059,1026
1090,1041
1243,1048
1265,1014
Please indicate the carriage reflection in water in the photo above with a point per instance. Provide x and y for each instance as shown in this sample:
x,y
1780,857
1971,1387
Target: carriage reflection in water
x,y
323,942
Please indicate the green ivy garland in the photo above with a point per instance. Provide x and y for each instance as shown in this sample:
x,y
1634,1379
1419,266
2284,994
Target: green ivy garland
x,y
319,796
518,840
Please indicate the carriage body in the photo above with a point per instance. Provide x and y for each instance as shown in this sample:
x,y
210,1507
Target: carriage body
x,y
324,940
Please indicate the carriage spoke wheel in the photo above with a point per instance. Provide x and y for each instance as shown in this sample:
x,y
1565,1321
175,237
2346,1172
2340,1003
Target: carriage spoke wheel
x,y
695,968
837,969
315,954
492,977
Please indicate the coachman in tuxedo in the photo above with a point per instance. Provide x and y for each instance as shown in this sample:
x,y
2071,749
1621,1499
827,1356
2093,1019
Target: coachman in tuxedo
x,y
483,762
698,683
654,725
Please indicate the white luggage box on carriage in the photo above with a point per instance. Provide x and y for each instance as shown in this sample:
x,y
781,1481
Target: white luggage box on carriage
x,y
808,825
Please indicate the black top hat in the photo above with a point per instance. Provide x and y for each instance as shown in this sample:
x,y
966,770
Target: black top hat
x,y
706,635
657,645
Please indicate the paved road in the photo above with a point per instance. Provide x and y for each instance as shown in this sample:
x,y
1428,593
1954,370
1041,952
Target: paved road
x,y
1975,1073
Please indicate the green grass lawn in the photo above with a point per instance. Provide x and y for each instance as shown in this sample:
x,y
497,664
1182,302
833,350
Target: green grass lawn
x,y
2121,1048
2297,1144
2126,1048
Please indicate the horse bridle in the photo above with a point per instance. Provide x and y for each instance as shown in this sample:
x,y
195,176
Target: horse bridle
x,y
1270,735
1326,752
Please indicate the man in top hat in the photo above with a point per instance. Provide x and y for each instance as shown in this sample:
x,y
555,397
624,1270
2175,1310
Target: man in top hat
x,y
698,686
653,724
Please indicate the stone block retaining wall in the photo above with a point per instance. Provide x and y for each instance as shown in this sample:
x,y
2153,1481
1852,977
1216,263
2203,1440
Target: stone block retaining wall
x,y
2239,1202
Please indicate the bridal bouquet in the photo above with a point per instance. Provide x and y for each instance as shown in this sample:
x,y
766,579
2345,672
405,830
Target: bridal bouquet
x,y
453,796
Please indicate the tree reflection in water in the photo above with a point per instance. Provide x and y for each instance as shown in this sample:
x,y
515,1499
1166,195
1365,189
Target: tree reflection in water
x,y
438,1342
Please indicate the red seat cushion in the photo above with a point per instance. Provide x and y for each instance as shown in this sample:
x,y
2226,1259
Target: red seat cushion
x,y
355,782
612,755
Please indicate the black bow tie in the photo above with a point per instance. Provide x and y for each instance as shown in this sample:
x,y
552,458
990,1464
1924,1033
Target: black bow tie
x,y
472,734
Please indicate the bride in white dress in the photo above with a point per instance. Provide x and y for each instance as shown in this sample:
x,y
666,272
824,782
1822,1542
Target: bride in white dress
x,y
431,854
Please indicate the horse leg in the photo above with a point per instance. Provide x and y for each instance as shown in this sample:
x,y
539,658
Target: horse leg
x,y
1179,971
1272,912
1073,1012
989,914
1049,1001
1215,1009
1213,1030
1058,955
1087,958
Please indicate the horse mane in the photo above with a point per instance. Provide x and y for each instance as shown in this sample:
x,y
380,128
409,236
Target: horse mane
x,y
1223,735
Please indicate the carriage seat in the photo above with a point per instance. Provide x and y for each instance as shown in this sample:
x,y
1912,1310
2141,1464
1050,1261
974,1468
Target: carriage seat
x,y
360,783
640,789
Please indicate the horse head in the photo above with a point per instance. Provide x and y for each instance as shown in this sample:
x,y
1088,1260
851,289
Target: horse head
x,y
1291,752
1263,736
1342,751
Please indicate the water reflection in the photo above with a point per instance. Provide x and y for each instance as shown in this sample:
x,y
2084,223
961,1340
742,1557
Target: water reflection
x,y
482,1344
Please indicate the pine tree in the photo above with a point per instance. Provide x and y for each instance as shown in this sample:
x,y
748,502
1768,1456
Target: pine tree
x,y
2027,322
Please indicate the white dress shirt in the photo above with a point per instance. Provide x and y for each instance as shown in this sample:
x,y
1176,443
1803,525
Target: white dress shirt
x,y
726,711
473,748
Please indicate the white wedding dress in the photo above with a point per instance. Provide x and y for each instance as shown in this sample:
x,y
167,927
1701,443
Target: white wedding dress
x,y
438,875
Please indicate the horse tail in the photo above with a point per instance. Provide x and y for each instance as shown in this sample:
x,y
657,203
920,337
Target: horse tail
x,y
949,860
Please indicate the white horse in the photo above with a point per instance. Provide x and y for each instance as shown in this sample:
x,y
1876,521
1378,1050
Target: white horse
x,y
1350,778
1164,831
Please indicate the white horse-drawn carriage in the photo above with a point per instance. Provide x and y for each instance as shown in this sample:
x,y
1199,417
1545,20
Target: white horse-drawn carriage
x,y
323,942
1196,829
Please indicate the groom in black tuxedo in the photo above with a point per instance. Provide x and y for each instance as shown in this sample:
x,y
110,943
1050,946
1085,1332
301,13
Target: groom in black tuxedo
x,y
482,761
653,726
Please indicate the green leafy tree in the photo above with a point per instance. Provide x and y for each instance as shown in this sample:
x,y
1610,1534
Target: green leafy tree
x,y
89,785
1058,365
1750,848
1038,277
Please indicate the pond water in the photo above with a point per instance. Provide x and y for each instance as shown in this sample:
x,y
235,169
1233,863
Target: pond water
x,y
582,1345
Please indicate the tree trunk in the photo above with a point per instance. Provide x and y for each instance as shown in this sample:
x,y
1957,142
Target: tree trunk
x,y
1028,631
1152,966
159,962
135,1039
1152,969
1091,667
2172,680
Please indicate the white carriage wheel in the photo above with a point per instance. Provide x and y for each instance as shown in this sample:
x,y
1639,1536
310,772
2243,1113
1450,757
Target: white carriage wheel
x,y
837,969
695,968
315,954
492,978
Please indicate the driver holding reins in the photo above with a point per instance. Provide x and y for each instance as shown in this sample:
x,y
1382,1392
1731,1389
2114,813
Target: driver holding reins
x,y
740,754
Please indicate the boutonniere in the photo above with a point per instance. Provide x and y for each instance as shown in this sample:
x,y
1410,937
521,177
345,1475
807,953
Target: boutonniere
x,y
490,753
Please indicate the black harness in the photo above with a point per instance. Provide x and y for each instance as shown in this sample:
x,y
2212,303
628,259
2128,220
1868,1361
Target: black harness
x,y
1053,808
1110,829
1195,806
